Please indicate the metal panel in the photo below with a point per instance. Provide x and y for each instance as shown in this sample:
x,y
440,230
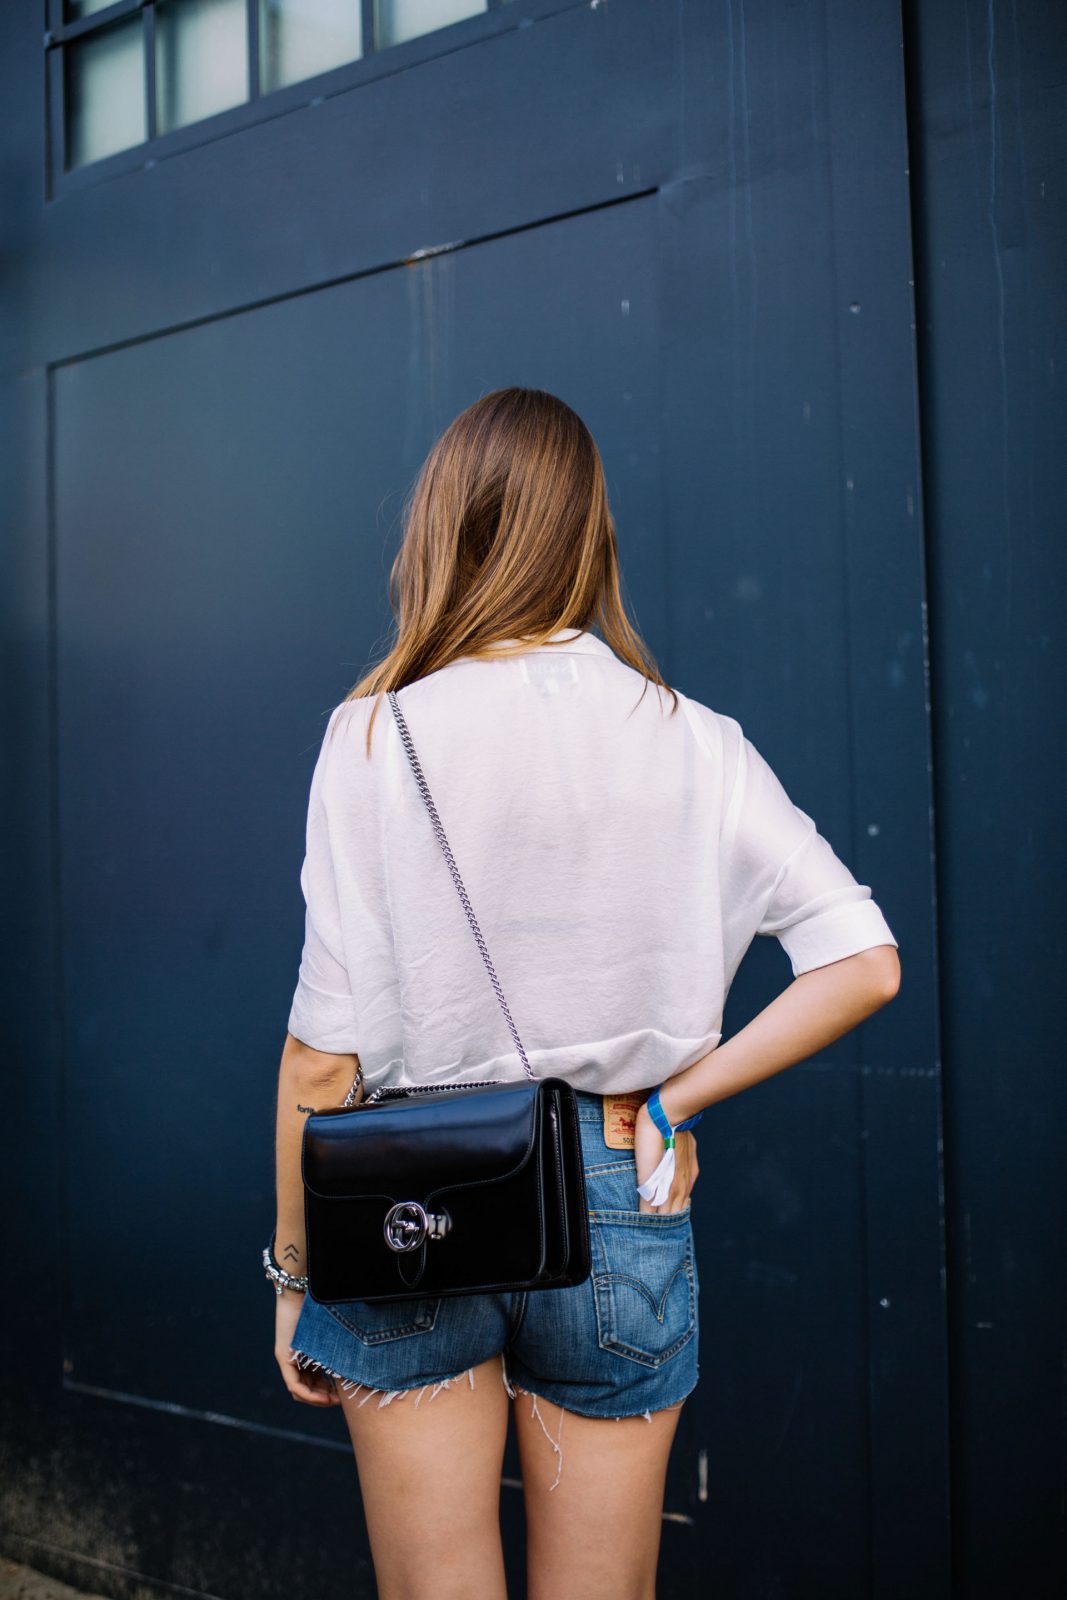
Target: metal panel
x,y
794,516
255,448
989,112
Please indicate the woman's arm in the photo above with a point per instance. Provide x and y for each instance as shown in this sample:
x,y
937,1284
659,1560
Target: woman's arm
x,y
308,1080
816,1008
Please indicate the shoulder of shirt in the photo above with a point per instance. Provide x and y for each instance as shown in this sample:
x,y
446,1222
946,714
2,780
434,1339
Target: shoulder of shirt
x,y
349,713
345,735
717,729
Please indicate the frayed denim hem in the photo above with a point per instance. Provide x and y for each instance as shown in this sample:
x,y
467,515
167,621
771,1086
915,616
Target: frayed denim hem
x,y
354,1385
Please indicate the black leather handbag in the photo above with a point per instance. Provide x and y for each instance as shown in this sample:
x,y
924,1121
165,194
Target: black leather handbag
x,y
467,1188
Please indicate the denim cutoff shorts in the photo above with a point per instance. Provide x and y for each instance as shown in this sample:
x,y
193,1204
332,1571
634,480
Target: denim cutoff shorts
x,y
623,1343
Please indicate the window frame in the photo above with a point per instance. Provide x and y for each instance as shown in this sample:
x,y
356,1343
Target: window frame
x,y
501,16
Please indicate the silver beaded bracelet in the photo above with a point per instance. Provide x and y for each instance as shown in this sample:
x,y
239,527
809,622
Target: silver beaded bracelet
x,y
277,1274
272,1269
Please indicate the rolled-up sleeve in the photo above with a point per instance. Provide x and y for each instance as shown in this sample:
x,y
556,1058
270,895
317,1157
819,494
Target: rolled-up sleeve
x,y
782,878
322,1014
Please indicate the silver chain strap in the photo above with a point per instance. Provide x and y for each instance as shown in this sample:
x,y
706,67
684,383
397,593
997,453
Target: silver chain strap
x,y
471,918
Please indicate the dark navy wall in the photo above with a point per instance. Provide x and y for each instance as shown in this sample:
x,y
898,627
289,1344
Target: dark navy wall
x,y
988,120
799,269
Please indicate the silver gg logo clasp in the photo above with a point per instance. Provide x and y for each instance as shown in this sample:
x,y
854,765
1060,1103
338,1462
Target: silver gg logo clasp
x,y
408,1223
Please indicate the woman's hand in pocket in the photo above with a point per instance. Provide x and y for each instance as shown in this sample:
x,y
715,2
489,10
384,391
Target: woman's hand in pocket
x,y
648,1151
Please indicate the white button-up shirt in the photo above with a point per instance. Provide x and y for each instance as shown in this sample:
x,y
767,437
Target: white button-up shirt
x,y
619,860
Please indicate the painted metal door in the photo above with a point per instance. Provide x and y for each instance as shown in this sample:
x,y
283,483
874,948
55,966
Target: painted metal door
x,y
231,348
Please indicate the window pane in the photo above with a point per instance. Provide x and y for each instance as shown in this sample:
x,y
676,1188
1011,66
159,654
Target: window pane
x,y
299,38
398,20
105,93
74,10
201,59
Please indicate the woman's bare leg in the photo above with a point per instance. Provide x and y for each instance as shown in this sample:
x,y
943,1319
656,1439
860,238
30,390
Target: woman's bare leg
x,y
429,1469
595,1535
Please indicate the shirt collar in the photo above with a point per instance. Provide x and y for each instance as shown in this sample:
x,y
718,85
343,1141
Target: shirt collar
x,y
579,642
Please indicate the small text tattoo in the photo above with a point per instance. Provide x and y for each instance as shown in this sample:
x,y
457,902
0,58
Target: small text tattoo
x,y
299,1107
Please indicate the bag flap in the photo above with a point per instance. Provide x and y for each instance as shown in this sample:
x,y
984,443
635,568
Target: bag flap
x,y
405,1149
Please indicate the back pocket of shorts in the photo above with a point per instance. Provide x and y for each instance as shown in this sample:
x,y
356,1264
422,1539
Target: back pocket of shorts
x,y
645,1284
380,1321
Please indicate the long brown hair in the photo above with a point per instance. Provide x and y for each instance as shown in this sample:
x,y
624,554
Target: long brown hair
x,y
507,535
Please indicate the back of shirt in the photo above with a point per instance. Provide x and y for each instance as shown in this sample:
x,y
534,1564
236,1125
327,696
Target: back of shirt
x,y
619,860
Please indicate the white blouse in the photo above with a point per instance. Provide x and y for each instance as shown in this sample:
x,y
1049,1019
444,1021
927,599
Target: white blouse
x,y
619,860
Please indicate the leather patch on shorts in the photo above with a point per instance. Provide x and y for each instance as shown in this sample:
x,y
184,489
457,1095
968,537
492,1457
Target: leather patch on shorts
x,y
620,1116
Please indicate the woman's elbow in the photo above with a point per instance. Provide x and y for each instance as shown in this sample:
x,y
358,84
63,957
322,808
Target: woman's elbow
x,y
883,964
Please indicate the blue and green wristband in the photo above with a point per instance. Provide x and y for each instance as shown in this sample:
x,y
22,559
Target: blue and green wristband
x,y
656,1188
659,1117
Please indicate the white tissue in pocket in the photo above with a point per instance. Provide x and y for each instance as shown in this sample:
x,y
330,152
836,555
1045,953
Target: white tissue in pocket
x,y
656,1188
